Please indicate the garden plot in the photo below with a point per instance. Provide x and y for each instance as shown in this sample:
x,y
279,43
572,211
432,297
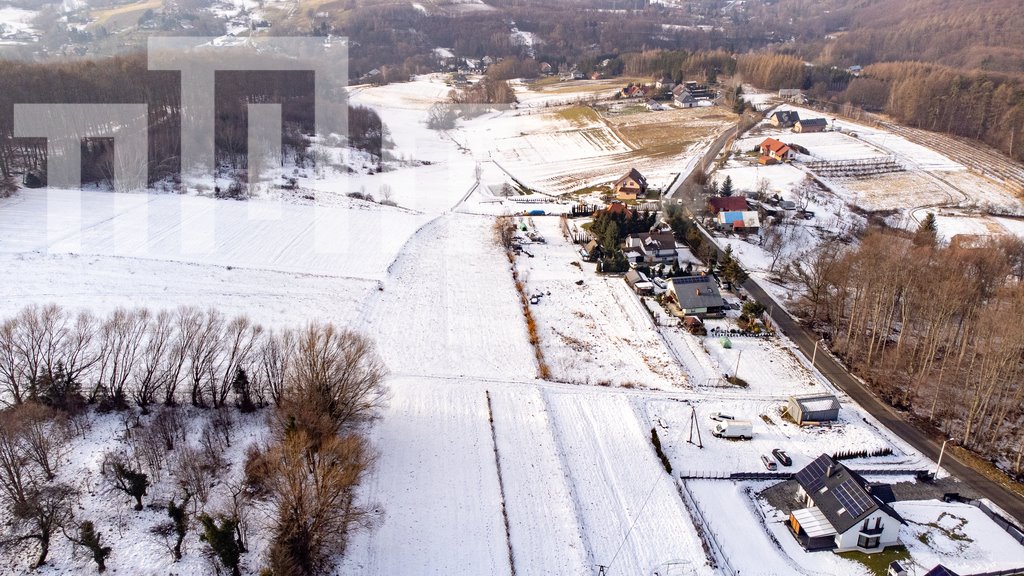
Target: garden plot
x,y
898,191
756,549
959,536
437,485
575,147
554,152
951,223
534,476
551,92
449,307
634,518
768,368
721,456
593,329
779,179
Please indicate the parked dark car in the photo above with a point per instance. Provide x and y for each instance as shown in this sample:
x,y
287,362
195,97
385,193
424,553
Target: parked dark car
x,y
782,457
768,463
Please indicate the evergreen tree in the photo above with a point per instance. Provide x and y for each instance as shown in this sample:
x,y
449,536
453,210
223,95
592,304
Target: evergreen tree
x,y
220,535
609,240
92,540
243,391
60,391
130,481
726,189
927,232
179,519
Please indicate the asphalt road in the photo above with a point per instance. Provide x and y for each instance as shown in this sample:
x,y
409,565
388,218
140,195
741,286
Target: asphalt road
x,y
1006,499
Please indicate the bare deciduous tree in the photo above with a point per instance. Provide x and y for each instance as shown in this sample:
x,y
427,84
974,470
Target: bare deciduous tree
x,y
314,493
336,373
276,356
204,354
45,511
241,337
44,435
154,359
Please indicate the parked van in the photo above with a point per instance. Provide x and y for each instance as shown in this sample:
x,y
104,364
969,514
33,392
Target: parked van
x,y
734,429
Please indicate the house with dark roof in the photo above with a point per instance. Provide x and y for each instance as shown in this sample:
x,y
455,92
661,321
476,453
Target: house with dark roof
x,y
650,248
696,295
630,186
718,204
682,98
690,94
843,511
810,125
940,570
784,118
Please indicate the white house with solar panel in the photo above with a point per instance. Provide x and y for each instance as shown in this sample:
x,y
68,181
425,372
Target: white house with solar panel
x,y
843,511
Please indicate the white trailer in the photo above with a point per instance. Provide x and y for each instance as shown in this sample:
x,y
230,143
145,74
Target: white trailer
x,y
735,429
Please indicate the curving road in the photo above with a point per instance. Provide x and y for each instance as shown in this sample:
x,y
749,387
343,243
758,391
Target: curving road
x,y
839,376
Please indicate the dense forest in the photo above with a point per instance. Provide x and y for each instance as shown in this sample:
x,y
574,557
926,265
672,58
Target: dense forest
x,y
929,327
127,79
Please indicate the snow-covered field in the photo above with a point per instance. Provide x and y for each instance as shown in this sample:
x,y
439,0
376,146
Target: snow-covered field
x,y
483,468
437,485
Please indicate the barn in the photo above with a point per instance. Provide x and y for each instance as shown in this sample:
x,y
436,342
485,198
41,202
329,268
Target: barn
x,y
815,408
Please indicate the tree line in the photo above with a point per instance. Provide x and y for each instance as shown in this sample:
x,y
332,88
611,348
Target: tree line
x,y
982,106
127,79
932,328
324,383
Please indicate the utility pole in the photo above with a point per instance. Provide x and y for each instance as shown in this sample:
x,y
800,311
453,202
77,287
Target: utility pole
x,y
736,373
942,451
694,424
814,355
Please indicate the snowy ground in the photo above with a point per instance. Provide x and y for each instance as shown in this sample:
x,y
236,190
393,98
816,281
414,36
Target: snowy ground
x,y
959,536
557,477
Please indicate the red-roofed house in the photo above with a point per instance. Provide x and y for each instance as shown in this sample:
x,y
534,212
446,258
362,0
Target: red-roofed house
x,y
726,204
772,148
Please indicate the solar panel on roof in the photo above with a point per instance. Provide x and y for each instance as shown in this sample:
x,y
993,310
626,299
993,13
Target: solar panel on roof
x,y
852,497
813,475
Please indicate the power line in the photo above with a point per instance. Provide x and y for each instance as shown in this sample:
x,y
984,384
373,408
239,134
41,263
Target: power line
x,y
607,568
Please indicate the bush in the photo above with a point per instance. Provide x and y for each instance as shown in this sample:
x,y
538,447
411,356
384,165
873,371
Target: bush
x,y
127,479
92,541
220,535
661,454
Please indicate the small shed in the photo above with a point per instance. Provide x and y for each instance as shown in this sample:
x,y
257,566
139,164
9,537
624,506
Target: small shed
x,y
814,408
639,282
